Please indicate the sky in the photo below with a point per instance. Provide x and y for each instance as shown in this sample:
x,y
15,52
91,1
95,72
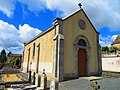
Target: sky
x,y
22,20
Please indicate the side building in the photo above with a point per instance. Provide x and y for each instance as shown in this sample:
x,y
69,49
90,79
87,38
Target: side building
x,y
68,49
116,43
14,60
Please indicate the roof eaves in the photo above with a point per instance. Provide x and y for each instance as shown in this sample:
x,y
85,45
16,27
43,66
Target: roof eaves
x,y
90,22
49,29
71,14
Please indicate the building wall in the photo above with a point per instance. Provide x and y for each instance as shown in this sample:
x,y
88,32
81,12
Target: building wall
x,y
46,54
71,31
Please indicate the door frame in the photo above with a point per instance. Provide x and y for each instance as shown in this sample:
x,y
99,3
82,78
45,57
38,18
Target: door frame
x,y
87,48
80,61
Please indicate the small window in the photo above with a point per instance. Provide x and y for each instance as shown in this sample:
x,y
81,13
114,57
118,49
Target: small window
x,y
81,42
33,49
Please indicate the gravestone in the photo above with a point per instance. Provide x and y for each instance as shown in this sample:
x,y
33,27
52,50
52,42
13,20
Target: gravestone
x,y
53,85
44,80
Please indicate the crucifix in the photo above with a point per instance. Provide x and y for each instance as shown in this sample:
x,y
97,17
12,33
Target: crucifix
x,y
80,5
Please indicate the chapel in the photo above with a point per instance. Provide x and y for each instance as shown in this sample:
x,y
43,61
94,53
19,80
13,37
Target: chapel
x,y
68,49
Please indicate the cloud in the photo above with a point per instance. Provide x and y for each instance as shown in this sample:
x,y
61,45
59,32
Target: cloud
x,y
114,37
12,39
7,7
33,5
66,7
27,32
8,34
101,12
107,41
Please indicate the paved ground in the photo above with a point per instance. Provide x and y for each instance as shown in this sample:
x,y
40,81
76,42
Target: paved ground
x,y
106,83
109,83
77,84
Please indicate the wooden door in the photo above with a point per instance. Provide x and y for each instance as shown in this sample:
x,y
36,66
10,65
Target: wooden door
x,y
82,62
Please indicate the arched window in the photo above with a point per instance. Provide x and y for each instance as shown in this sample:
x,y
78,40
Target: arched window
x,y
33,49
82,42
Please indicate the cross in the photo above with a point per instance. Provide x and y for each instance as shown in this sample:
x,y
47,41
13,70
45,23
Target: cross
x,y
80,5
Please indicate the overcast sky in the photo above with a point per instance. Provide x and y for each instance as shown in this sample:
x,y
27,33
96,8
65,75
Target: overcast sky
x,y
22,20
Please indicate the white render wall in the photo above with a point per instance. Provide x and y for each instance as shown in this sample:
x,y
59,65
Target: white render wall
x,y
111,64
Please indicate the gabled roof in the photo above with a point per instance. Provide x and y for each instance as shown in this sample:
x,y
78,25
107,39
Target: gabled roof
x,y
117,40
85,16
49,29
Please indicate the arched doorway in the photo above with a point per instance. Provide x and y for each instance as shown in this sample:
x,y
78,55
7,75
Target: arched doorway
x,y
82,58
82,55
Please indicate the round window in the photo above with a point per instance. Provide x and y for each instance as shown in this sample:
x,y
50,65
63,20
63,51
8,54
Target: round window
x,y
82,24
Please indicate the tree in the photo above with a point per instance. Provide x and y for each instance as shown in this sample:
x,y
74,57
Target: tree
x,y
9,53
105,49
3,52
17,60
3,57
114,49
